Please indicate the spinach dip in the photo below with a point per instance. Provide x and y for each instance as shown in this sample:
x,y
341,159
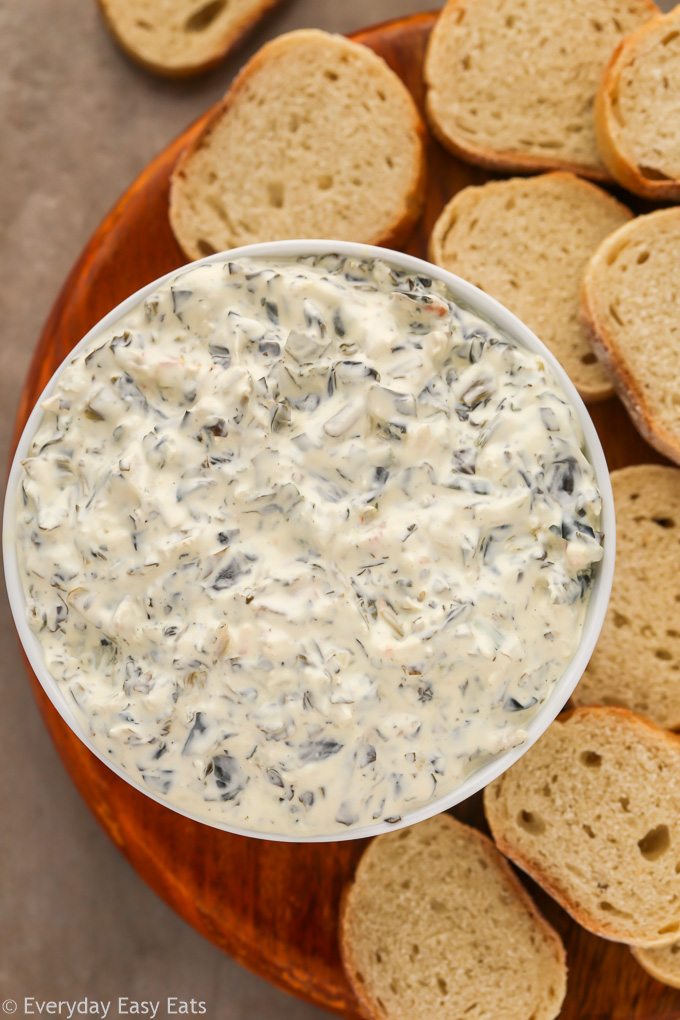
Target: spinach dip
x,y
303,541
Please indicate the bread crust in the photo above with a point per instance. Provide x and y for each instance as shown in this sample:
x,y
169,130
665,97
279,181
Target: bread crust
x,y
673,980
503,161
621,166
349,962
552,887
404,220
604,345
371,1009
229,41
566,175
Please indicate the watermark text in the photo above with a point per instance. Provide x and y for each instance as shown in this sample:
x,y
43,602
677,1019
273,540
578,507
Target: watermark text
x,y
122,1006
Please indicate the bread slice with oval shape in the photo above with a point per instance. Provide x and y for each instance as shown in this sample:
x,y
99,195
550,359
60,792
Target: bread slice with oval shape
x,y
181,37
511,83
630,307
636,662
637,113
527,242
317,137
592,813
436,925
662,963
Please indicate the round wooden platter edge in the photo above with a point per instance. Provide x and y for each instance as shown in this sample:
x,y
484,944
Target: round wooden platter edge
x,y
273,906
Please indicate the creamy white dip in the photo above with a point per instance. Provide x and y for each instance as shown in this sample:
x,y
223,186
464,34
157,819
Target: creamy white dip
x,y
303,541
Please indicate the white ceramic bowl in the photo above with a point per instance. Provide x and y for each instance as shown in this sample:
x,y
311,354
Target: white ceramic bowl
x,y
505,321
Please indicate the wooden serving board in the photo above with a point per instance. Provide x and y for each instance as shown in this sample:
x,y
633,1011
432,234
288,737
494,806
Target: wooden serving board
x,y
273,906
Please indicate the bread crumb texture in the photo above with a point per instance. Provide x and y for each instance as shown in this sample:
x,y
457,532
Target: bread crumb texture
x,y
638,112
317,137
662,963
527,242
511,83
178,37
436,925
592,813
636,662
630,303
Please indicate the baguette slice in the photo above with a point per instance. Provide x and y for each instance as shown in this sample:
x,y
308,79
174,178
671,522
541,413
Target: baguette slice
x,y
181,37
317,137
662,964
636,662
437,926
527,242
630,306
592,813
511,83
637,113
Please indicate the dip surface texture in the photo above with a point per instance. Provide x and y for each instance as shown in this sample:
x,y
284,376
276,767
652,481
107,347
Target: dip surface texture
x,y
303,541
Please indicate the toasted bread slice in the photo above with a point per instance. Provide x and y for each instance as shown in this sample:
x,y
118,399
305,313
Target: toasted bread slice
x,y
592,813
317,137
630,306
511,83
436,925
637,113
662,963
181,37
527,242
636,662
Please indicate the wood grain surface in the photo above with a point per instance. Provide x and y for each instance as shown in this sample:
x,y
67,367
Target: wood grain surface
x,y
273,906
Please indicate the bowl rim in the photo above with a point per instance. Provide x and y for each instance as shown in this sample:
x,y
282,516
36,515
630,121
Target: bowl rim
x,y
480,303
